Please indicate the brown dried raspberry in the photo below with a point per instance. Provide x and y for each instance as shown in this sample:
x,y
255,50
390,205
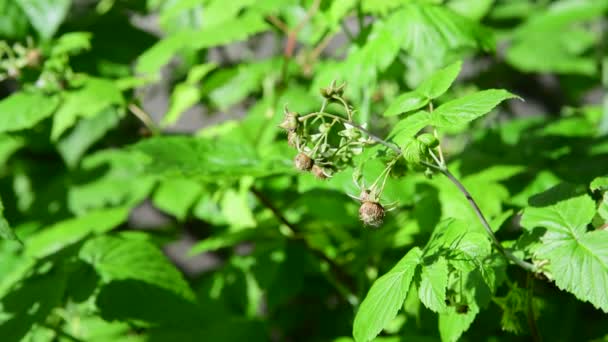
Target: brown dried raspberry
x,y
303,162
371,213
319,172
33,58
290,121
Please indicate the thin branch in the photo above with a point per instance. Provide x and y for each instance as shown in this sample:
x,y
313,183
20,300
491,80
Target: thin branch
x,y
441,158
521,263
278,23
144,117
336,269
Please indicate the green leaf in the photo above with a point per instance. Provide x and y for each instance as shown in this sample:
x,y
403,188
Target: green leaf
x,y
406,102
71,43
385,297
453,324
474,9
120,258
68,232
95,95
578,258
30,302
6,232
408,127
45,15
440,81
186,94
433,284
88,131
209,159
122,183
468,108
25,109
8,146
232,85
233,30
599,183
176,196
14,24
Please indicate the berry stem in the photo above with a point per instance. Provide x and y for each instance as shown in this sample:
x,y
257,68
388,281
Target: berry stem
x,y
507,254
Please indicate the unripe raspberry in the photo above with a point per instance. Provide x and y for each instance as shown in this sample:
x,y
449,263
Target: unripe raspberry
x,y
318,172
371,213
303,162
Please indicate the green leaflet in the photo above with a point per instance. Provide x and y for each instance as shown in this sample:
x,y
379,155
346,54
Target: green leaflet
x,y
68,232
574,253
209,159
120,258
407,128
385,297
469,107
433,283
176,196
45,15
95,95
232,30
431,88
6,232
25,109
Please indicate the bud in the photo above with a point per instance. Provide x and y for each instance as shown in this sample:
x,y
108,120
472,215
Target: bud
x,y
371,213
332,90
428,140
33,58
292,139
319,172
290,121
303,162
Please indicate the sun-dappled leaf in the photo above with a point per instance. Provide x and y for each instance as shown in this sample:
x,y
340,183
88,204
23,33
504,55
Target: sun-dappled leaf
x,y
385,297
176,196
23,110
6,232
469,107
207,159
433,283
574,253
45,15
119,258
89,100
408,127
65,233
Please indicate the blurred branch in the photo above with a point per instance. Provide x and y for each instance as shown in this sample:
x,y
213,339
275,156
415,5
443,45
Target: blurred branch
x,y
345,284
144,117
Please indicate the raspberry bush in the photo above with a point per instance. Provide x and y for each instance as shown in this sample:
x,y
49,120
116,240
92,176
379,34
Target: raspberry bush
x,y
303,170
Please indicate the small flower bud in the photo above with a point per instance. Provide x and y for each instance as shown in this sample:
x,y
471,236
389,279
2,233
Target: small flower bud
x,y
33,58
332,90
303,162
371,213
319,172
290,121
